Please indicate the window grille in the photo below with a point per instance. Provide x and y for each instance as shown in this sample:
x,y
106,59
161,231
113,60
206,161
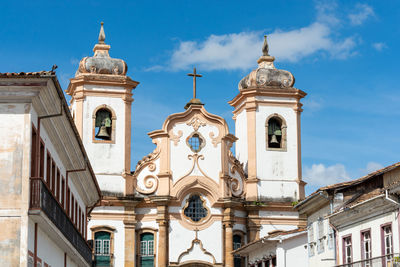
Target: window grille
x,y
195,209
196,142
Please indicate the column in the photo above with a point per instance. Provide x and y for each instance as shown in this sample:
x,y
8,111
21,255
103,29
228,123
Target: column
x,y
130,235
228,226
162,254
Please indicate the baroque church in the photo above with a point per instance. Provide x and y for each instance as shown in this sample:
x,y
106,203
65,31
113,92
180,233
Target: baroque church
x,y
191,201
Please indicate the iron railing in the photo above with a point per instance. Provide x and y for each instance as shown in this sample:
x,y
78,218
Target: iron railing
x,y
389,260
42,199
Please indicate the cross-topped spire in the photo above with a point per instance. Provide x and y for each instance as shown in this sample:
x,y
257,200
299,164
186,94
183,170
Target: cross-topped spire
x,y
194,100
194,74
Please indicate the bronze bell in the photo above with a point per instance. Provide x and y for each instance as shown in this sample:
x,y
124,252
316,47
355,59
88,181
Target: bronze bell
x,y
103,133
274,140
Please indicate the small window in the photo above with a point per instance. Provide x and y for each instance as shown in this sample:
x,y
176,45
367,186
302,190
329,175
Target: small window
x,y
147,250
103,124
237,243
196,142
274,133
387,243
102,254
366,248
195,209
347,250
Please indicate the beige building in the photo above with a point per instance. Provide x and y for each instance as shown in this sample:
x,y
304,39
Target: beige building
x,y
48,187
191,201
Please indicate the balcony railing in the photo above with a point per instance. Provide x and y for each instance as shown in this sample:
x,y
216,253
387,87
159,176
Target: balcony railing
x,y
42,199
390,260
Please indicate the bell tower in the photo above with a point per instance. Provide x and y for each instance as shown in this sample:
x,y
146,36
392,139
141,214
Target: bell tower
x,y
267,119
101,108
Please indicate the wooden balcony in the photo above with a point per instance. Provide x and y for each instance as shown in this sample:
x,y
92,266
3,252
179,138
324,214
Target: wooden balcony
x,y
42,202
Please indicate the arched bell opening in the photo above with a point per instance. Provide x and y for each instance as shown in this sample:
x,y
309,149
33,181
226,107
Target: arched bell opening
x,y
104,121
275,132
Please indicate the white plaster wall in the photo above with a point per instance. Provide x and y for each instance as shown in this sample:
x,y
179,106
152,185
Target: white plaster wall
x,y
294,251
111,183
109,209
180,240
146,210
325,257
375,225
49,251
241,134
276,165
181,165
105,158
119,238
278,214
278,189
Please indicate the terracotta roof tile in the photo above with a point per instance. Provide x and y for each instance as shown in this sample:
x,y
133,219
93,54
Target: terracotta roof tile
x,y
26,74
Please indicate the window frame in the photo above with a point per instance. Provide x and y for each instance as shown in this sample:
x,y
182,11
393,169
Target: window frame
x,y
344,249
113,124
204,205
108,229
139,232
383,243
279,118
363,252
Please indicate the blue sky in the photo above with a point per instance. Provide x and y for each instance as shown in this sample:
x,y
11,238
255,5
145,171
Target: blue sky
x,y
344,54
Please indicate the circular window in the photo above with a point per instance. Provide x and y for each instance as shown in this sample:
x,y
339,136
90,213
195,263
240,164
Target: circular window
x,y
195,209
196,142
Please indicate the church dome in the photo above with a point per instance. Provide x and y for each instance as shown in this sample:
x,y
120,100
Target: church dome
x,y
101,62
266,75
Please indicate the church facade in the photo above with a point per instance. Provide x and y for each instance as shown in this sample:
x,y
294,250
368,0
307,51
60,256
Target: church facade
x,y
190,202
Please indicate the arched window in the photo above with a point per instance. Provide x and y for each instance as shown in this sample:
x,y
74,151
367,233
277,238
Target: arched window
x,y
103,124
102,248
195,209
146,250
275,132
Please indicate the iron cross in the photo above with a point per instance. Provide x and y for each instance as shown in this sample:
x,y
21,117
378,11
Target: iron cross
x,y
194,74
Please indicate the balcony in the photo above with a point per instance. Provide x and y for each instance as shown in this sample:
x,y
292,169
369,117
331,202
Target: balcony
x,y
43,202
390,260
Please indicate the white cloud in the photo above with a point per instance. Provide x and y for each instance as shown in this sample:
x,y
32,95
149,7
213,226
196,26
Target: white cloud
x,y
371,167
319,175
361,13
241,50
379,46
228,51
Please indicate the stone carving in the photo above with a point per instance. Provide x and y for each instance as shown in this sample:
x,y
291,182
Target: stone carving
x,y
175,138
196,122
150,183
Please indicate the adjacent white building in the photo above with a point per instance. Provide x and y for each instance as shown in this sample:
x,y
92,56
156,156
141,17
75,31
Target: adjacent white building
x,y
355,222
47,187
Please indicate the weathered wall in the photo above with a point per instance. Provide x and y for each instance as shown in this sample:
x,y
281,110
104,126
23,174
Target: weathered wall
x,y
14,176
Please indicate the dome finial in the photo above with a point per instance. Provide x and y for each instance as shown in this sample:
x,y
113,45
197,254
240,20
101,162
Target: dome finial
x,y
265,47
102,35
